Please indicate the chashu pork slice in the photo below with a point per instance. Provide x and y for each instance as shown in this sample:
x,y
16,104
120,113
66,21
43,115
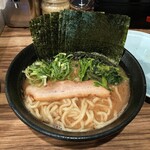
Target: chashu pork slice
x,y
66,89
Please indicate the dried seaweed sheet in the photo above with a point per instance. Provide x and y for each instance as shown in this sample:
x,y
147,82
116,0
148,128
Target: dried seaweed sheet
x,y
72,36
62,39
41,34
101,33
44,31
69,31
54,32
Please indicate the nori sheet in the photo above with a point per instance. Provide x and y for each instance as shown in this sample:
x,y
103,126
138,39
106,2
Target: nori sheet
x,y
72,36
69,31
39,28
65,20
54,32
103,33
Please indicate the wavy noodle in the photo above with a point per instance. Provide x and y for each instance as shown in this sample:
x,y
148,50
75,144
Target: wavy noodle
x,y
71,114
76,114
117,92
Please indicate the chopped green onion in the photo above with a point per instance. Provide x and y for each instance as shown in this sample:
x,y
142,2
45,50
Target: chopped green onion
x,y
61,67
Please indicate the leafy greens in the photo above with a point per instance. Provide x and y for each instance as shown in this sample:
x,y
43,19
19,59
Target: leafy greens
x,y
61,68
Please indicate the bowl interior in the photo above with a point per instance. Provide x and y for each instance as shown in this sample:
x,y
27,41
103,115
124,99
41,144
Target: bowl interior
x,y
14,96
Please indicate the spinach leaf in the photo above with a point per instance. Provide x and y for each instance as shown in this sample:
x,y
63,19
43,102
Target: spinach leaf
x,y
61,68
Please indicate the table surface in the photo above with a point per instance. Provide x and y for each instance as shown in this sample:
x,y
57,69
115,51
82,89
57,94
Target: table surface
x,y
14,134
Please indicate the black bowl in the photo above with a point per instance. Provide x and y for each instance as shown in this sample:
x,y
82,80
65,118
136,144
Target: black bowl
x,y
13,92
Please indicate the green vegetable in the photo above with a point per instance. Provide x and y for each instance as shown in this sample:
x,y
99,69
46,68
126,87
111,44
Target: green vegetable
x,y
85,64
37,73
111,73
102,83
41,71
62,66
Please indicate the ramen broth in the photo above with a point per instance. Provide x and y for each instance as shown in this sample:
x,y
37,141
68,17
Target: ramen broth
x,y
81,113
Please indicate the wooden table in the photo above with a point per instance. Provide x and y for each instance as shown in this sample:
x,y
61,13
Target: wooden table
x,y
14,134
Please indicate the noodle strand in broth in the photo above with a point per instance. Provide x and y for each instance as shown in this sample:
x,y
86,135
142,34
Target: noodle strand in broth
x,y
79,114
76,92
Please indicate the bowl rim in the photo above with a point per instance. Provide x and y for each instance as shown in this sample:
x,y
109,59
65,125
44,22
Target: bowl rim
x,y
60,135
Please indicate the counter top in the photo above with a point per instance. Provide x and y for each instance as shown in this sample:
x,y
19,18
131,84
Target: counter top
x,y
14,134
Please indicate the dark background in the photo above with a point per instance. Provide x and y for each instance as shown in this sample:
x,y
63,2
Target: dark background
x,y
138,10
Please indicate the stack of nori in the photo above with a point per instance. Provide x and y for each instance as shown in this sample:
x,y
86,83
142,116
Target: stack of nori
x,y
44,31
70,30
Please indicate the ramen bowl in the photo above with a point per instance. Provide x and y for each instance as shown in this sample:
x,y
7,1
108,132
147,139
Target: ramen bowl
x,y
14,79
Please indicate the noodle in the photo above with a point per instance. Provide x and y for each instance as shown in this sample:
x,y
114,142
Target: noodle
x,y
80,114
74,114
117,92
71,105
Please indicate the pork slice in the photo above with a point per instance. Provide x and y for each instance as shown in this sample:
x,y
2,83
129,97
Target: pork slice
x,y
66,89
